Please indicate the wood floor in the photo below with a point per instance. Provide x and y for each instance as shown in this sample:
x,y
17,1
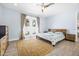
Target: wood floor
x,y
40,47
33,47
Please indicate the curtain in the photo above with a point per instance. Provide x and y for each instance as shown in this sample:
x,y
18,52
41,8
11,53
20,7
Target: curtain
x,y
22,24
38,22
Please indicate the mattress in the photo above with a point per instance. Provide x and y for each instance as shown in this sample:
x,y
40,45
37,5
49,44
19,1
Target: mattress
x,y
53,37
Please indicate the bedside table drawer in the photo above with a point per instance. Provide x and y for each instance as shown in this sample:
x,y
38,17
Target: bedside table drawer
x,y
70,37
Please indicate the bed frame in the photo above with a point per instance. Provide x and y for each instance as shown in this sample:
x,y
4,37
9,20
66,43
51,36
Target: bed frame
x,y
59,30
54,30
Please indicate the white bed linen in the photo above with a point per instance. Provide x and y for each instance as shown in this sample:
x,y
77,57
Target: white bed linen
x,y
53,37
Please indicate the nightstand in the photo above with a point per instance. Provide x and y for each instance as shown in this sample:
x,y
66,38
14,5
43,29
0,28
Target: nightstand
x,y
70,37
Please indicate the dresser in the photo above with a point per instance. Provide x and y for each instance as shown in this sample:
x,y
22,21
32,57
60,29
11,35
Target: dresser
x,y
70,37
4,41
4,44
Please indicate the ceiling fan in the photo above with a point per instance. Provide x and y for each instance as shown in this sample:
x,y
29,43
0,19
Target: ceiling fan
x,y
45,5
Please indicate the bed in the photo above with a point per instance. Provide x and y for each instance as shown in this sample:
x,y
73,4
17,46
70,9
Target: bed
x,y
54,35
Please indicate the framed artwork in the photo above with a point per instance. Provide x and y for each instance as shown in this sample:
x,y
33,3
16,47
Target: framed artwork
x,y
33,23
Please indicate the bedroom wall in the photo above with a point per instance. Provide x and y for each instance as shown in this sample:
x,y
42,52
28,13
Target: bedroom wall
x,y
64,20
0,12
78,19
11,18
1,15
42,24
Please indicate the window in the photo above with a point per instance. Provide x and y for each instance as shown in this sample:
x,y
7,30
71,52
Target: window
x,y
30,27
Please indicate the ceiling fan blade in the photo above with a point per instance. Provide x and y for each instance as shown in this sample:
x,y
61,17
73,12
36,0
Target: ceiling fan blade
x,y
48,5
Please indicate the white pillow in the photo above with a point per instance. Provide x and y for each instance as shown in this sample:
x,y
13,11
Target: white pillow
x,y
58,32
50,33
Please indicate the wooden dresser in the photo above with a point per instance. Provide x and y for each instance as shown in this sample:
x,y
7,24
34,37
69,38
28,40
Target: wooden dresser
x,y
70,37
4,43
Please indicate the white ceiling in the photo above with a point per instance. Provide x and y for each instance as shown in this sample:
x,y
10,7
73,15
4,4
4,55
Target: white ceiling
x,y
35,8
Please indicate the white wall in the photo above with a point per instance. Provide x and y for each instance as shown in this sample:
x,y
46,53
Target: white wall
x,y
78,19
12,19
1,14
64,20
42,24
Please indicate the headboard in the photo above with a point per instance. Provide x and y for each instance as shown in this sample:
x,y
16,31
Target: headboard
x,y
59,30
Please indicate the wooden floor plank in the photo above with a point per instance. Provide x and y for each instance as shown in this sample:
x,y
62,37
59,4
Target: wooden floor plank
x,y
33,47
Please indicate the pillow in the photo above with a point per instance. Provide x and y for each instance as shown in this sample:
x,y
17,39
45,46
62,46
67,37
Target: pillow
x,y
50,33
58,32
